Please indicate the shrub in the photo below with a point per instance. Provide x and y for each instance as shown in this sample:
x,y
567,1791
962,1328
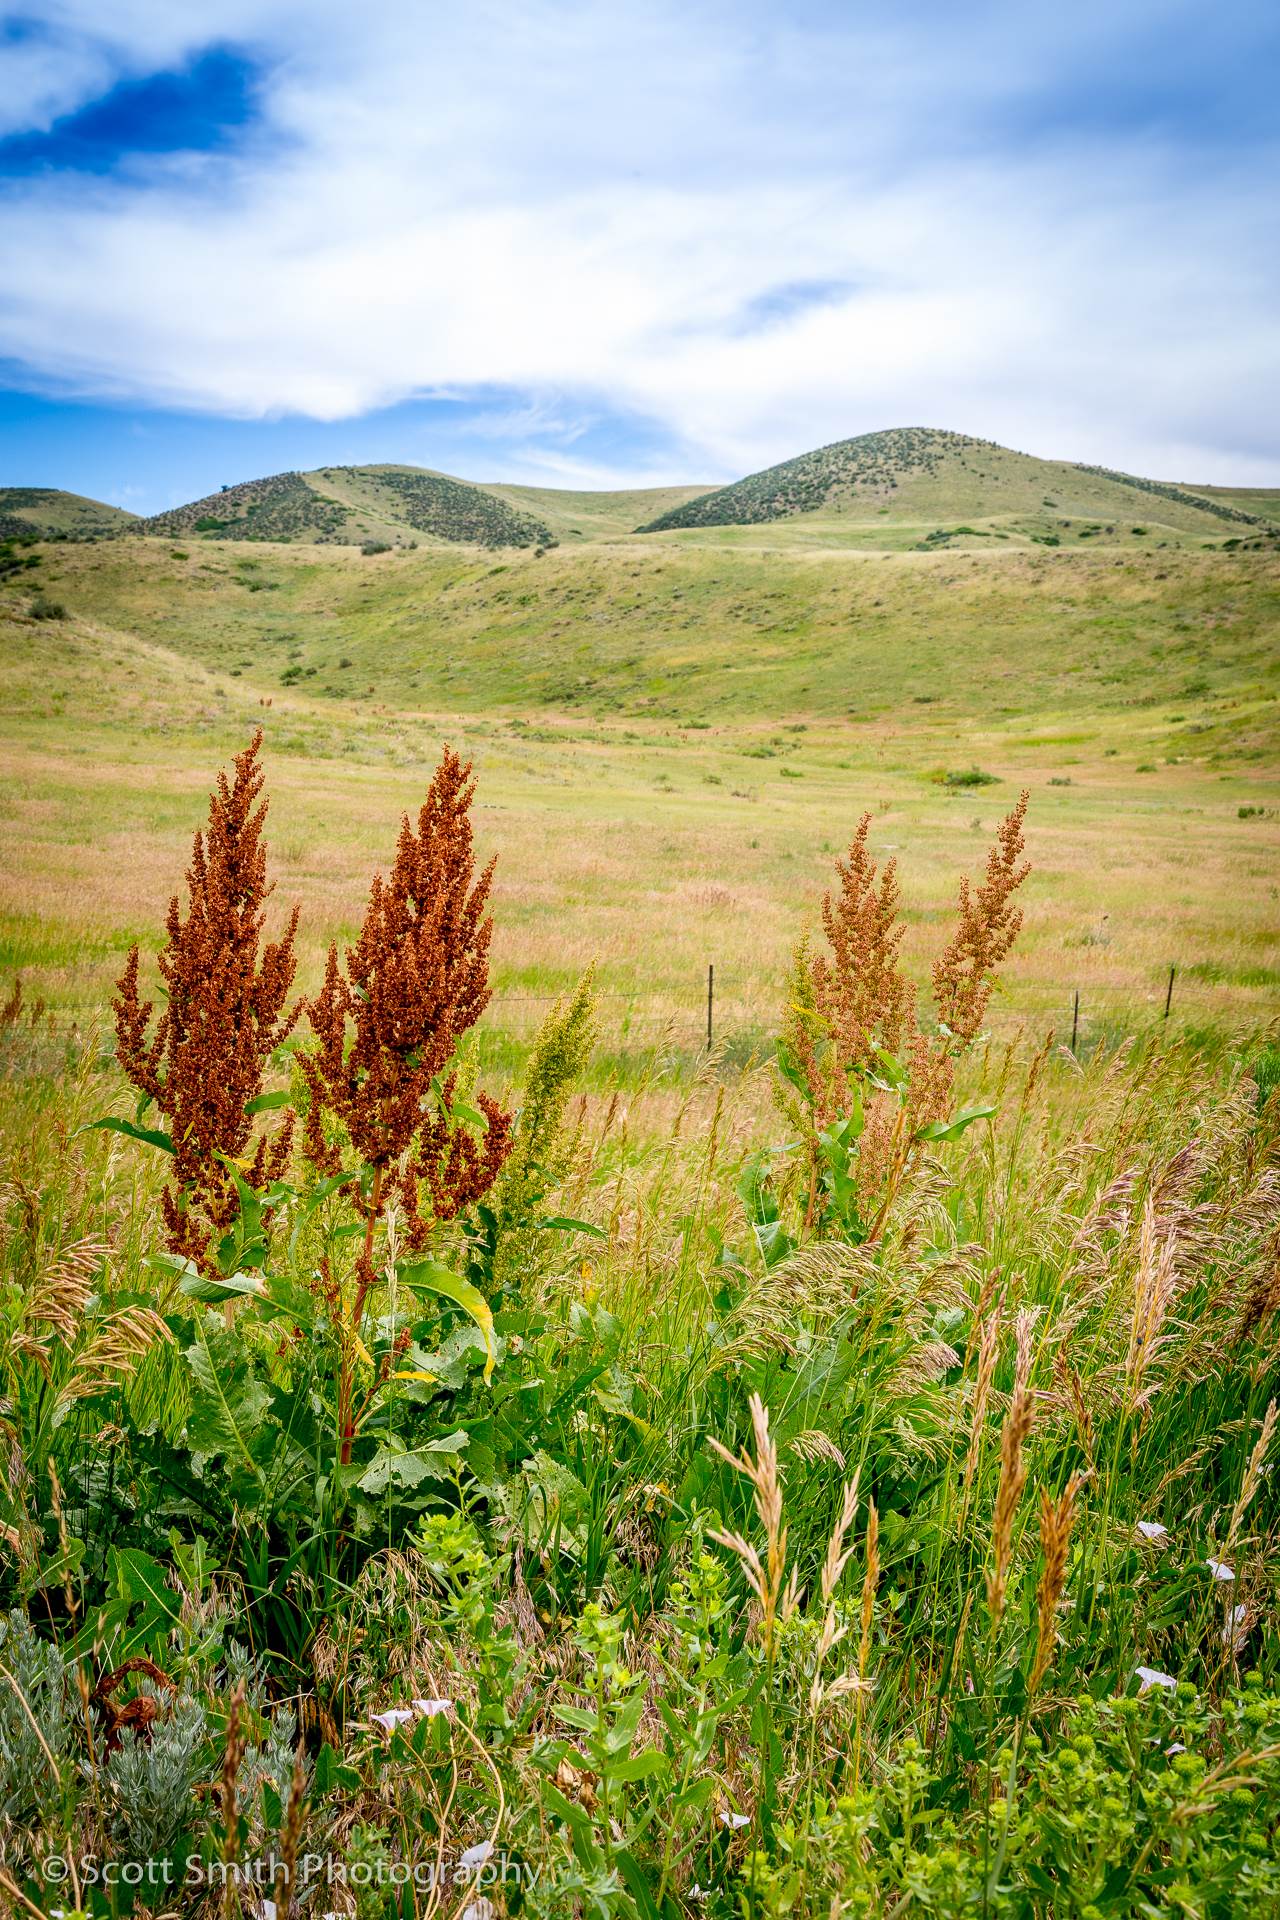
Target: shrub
x,y
962,777
44,609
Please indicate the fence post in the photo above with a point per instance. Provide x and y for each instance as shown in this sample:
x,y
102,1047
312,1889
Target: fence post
x,y
1168,998
1075,1020
711,991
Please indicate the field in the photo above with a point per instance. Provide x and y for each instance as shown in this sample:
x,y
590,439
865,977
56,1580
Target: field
x,y
421,1532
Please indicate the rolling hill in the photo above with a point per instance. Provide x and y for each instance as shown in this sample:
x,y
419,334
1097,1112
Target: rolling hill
x,y
922,477
49,513
399,505
352,506
910,488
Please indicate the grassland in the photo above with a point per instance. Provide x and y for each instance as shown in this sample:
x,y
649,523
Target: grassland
x,y
760,1510
675,739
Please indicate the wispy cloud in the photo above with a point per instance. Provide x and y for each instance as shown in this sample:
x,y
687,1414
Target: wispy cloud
x,y
735,234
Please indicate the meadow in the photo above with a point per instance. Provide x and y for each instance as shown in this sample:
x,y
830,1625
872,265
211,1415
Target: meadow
x,y
577,1470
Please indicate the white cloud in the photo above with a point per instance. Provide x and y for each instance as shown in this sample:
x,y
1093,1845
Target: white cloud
x,y
583,207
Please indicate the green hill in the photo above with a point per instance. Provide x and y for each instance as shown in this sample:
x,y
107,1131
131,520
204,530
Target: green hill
x,y
911,488
50,513
354,506
947,487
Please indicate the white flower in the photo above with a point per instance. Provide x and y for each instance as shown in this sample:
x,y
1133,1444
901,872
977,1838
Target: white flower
x,y
1236,1632
734,1820
1220,1570
1152,1677
1152,1530
430,1707
393,1717
476,1856
1177,1747
480,1909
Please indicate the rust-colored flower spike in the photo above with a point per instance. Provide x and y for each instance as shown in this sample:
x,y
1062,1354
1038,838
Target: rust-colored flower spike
x,y
861,990
964,972
225,1013
388,1022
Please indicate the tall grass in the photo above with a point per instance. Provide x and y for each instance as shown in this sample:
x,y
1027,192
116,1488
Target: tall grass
x,y
744,1563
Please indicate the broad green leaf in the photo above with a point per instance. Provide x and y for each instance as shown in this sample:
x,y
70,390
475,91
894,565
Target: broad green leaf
x,y
407,1467
637,1885
563,1224
267,1102
200,1286
140,1580
150,1136
228,1401
638,1766
430,1276
948,1129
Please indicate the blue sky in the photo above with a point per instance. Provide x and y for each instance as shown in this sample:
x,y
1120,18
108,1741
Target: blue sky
x,y
578,244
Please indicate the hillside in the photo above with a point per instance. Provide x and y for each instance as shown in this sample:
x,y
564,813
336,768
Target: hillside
x,y
51,513
582,515
908,488
943,484
676,632
350,506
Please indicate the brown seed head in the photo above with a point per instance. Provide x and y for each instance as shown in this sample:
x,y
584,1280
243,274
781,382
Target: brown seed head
x,y
964,973
861,990
224,1015
387,1022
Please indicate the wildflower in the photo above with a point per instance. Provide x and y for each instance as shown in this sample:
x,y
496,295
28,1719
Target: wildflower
x,y
1152,1677
429,1708
964,973
861,992
734,1820
387,1025
1219,1569
416,980
392,1718
224,1015
1235,1634
1152,1530
475,1857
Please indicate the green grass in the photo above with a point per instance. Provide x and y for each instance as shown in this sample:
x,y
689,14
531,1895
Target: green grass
x,y
638,719
674,737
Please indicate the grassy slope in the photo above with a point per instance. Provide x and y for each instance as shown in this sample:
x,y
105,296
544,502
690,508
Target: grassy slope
x,y
948,483
1262,501
51,510
671,745
584,515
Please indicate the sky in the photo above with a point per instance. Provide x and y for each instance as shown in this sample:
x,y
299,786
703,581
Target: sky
x,y
581,244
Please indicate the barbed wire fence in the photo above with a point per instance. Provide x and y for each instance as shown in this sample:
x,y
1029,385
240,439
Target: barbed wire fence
x,y
719,1010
